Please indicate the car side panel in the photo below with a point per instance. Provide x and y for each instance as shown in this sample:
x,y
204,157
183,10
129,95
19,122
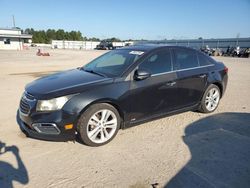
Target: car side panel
x,y
191,85
218,75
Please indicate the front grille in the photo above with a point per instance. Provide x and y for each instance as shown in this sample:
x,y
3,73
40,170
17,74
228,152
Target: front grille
x,y
24,106
29,96
26,103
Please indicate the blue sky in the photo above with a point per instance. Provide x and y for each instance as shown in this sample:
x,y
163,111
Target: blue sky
x,y
136,19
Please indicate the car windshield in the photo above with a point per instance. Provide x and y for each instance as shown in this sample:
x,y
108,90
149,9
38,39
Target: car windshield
x,y
113,63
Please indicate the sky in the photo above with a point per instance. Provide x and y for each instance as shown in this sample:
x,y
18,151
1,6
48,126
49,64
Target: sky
x,y
133,19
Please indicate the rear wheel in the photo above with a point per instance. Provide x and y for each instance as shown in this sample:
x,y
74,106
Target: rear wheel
x,y
211,99
99,124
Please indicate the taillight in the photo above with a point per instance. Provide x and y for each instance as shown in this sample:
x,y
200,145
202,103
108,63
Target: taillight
x,y
226,70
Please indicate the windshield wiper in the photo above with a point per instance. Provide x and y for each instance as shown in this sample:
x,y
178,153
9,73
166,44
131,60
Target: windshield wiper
x,y
94,72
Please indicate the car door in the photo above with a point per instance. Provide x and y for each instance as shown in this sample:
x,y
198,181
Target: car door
x,y
157,93
192,77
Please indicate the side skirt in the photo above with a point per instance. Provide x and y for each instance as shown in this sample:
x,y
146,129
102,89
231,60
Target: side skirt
x,y
129,124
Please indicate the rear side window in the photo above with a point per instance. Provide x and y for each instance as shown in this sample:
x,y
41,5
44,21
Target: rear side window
x,y
203,60
185,58
158,62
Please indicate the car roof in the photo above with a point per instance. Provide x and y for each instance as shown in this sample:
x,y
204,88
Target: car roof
x,y
149,47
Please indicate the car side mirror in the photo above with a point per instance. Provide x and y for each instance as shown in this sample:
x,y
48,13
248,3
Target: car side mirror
x,y
141,75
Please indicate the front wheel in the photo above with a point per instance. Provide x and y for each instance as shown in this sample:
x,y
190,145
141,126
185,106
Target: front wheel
x,y
99,124
210,99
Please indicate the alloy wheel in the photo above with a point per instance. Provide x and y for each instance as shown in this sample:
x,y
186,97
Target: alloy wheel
x,y
212,99
102,126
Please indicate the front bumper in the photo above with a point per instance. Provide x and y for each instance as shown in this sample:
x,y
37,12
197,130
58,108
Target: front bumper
x,y
56,132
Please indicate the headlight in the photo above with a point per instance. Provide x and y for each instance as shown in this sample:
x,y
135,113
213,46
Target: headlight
x,y
52,104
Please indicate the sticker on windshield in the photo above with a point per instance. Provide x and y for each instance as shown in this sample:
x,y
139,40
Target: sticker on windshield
x,y
136,52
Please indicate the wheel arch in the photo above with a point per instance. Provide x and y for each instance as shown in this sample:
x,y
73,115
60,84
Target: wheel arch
x,y
220,86
111,102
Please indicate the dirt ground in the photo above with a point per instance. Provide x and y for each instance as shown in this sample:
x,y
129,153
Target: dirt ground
x,y
170,151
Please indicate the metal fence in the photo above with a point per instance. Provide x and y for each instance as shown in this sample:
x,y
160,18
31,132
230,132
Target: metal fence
x,y
212,43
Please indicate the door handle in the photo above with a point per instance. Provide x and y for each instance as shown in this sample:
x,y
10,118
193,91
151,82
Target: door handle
x,y
171,83
202,75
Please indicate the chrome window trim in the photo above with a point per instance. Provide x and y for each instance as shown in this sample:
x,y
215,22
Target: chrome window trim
x,y
158,74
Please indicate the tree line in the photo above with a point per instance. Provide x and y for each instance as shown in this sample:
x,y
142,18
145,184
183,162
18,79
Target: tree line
x,y
45,36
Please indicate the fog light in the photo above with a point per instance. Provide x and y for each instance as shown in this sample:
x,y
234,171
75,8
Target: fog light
x,y
69,126
46,128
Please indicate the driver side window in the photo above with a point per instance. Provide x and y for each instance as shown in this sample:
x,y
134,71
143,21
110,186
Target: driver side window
x,y
158,62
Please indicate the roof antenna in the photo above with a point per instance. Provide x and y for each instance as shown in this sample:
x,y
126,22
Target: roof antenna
x,y
13,19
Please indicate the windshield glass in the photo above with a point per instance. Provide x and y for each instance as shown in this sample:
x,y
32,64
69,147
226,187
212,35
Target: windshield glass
x,y
113,63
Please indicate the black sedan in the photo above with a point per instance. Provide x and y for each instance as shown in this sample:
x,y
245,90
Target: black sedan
x,y
120,89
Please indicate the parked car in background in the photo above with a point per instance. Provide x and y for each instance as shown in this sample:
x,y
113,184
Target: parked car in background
x,y
217,52
244,53
109,45
105,45
206,50
119,89
237,52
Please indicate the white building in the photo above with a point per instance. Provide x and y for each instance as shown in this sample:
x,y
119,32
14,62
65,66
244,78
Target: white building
x,y
13,39
84,45
65,44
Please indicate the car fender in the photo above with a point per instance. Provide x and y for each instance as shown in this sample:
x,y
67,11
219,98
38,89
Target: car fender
x,y
114,94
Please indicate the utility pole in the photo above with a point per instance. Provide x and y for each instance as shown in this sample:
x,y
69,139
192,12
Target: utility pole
x,y
13,19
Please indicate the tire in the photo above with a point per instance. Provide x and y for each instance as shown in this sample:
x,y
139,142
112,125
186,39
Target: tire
x,y
210,100
99,124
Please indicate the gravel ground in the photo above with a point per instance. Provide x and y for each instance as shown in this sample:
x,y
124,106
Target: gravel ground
x,y
189,149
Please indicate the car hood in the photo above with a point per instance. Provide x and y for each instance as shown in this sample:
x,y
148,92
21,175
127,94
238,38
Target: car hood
x,y
64,83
